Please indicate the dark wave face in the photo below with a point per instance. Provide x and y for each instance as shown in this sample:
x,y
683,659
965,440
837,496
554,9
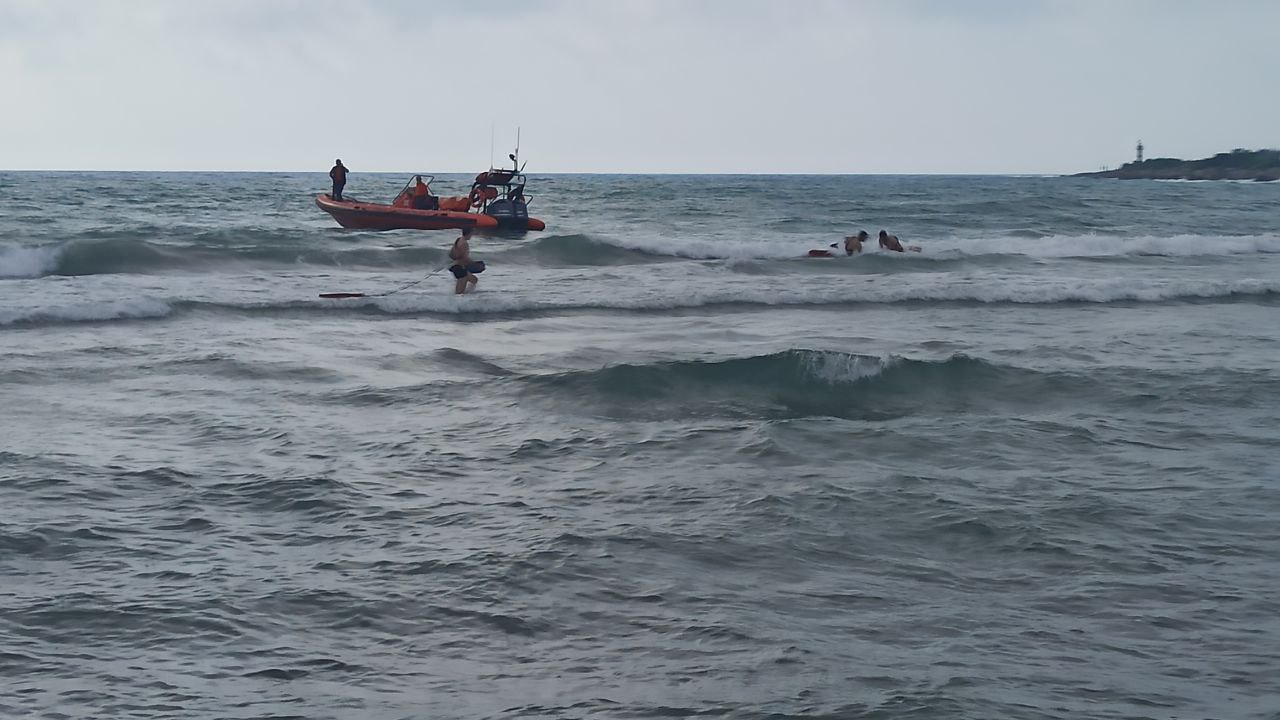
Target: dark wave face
x,y
811,383
573,251
123,254
800,383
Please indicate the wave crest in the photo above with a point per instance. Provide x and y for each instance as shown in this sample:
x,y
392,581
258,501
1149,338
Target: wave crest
x,y
125,309
98,252
798,383
111,255
574,251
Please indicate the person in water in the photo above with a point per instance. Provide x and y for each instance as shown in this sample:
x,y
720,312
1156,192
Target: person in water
x,y
853,243
339,176
464,269
891,242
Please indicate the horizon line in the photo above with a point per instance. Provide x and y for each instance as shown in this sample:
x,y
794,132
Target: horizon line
x,y
560,172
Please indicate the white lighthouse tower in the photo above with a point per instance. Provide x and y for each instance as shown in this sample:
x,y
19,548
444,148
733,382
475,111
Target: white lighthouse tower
x,y
1139,152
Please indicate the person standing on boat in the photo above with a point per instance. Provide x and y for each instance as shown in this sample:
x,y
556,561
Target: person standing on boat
x,y
422,198
464,269
339,176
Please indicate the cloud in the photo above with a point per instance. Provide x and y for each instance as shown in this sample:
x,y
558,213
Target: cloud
x,y
632,85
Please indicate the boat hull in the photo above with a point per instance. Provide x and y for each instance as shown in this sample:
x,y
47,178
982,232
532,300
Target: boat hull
x,y
362,215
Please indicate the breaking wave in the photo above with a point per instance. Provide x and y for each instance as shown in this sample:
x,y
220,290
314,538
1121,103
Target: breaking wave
x,y
102,252
805,383
573,251
126,255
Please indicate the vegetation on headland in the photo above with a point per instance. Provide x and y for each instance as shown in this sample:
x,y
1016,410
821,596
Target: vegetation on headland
x,y
1239,164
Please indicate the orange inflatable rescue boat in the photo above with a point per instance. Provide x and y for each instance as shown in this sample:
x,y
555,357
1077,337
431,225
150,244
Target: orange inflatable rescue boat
x,y
497,201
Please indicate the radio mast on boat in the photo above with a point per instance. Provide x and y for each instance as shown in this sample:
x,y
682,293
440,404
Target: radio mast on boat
x,y
515,156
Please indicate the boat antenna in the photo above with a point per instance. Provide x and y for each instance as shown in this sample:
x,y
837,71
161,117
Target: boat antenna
x,y
490,143
515,158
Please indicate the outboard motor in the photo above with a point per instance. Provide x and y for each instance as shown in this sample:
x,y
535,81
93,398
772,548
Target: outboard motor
x,y
510,214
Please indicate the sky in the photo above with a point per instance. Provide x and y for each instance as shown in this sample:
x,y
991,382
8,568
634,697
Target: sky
x,y
634,86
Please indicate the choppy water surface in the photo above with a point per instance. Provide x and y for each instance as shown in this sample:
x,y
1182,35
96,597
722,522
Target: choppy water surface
x,y
660,465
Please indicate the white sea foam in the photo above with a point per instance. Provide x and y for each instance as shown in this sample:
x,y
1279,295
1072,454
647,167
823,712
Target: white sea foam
x,y
123,309
1062,246
17,261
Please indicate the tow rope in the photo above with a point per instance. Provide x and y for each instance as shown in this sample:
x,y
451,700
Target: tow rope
x,y
406,286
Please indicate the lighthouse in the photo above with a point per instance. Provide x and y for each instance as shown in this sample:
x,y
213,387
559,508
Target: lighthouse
x,y
1139,152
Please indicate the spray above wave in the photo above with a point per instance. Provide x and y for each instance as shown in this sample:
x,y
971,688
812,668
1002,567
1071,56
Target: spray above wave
x,y
18,261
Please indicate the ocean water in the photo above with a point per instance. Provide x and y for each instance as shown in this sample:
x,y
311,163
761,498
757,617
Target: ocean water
x,y
660,465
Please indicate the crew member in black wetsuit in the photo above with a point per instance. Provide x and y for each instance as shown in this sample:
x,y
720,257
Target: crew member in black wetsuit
x,y
339,176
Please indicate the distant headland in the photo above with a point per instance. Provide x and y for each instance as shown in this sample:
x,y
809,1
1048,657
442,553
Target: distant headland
x,y
1239,164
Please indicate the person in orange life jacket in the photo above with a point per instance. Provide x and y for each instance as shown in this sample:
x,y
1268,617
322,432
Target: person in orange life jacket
x,y
464,269
339,176
422,199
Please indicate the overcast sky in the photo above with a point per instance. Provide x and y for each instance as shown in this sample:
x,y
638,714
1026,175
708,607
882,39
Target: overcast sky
x,y
781,86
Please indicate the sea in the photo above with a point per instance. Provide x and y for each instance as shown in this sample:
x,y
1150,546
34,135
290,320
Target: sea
x,y
661,464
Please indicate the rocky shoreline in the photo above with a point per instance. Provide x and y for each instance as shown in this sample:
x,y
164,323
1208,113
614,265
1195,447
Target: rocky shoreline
x,y
1257,165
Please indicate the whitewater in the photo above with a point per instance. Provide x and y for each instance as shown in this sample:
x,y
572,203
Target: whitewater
x,y
661,464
